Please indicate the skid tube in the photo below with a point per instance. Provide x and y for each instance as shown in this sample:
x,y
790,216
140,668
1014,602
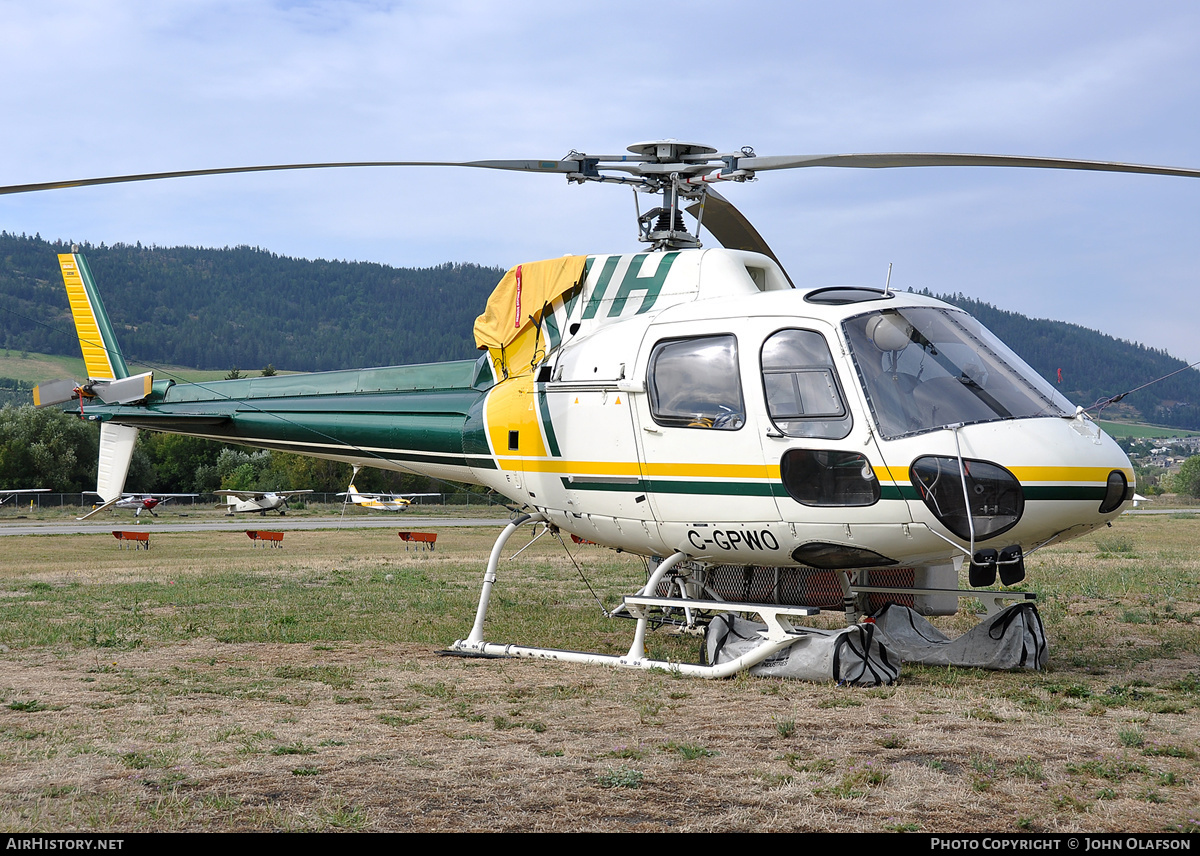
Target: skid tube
x,y
780,633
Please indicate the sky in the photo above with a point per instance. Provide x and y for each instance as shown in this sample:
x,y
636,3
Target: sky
x,y
124,86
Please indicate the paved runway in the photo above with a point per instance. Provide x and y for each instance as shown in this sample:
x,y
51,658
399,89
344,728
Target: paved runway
x,y
282,524
13,526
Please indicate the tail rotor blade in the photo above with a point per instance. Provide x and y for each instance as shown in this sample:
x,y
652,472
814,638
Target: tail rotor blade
x,y
54,392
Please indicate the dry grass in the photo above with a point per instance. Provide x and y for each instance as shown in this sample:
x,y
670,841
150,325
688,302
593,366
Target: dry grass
x,y
208,685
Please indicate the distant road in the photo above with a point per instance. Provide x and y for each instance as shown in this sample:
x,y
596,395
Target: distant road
x,y
284,524
1137,511
242,523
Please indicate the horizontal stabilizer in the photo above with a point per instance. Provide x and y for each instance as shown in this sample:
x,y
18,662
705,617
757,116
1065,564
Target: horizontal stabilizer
x,y
54,392
124,391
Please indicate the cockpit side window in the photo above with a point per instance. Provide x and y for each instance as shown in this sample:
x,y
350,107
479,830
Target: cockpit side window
x,y
803,397
694,383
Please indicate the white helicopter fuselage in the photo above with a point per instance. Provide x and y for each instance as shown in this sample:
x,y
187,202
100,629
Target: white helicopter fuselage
x,y
698,403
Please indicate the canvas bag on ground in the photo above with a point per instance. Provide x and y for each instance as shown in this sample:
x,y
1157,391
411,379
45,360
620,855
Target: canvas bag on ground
x,y
851,655
1013,638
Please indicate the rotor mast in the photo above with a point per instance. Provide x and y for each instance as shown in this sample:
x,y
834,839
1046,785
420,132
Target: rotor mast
x,y
678,171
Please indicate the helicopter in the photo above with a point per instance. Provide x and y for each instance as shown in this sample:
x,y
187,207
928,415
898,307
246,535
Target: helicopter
x,y
770,449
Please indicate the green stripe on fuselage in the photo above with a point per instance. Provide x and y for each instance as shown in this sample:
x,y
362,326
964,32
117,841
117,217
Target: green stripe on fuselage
x,y
547,425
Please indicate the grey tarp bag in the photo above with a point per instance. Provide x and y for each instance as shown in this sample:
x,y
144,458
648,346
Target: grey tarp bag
x,y
851,655
1013,638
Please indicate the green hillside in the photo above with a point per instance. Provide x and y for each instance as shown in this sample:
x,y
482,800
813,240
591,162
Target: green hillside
x,y
1096,366
244,307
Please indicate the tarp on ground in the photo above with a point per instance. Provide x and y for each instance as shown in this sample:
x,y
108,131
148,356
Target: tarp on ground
x,y
851,655
1013,638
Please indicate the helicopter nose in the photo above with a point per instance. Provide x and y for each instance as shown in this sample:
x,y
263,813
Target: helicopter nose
x,y
1021,484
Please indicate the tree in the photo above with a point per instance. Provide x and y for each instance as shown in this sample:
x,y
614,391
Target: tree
x,y
269,371
245,470
47,448
233,374
180,462
1187,480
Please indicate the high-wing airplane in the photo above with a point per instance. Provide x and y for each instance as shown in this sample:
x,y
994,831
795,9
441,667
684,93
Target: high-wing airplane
x,y
140,502
6,495
249,501
382,501
832,447
137,502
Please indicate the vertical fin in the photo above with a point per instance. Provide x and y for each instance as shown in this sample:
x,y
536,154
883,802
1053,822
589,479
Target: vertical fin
x,y
116,451
101,354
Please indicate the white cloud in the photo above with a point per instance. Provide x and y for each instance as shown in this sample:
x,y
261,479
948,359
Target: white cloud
x,y
136,86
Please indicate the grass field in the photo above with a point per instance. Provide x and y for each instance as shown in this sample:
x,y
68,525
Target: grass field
x,y
208,685
39,368
1119,430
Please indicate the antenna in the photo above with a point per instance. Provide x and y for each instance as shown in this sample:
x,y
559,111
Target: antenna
x,y
887,286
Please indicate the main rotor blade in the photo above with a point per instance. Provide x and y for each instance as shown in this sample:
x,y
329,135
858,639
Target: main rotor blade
x,y
550,166
728,225
904,159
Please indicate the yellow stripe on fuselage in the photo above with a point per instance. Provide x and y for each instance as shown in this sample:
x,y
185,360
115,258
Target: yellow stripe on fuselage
x,y
95,357
632,468
895,475
1026,475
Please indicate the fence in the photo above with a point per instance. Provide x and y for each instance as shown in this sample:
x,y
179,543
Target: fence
x,y
38,501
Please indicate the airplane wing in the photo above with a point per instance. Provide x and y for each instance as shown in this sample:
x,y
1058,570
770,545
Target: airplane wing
x,y
257,494
5,494
242,494
387,495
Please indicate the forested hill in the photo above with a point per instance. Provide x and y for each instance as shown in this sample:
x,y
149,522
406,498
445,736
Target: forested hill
x,y
1096,366
245,307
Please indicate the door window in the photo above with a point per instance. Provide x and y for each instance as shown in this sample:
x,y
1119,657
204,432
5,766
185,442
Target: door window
x,y
694,383
801,386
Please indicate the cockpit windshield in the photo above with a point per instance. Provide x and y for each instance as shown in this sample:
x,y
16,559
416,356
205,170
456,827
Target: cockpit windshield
x,y
926,368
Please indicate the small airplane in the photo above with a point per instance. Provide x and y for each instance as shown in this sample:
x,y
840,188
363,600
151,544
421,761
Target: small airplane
x,y
767,447
6,495
140,502
137,502
249,501
382,501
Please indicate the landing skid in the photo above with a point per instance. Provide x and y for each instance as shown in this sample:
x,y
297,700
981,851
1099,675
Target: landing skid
x,y
779,634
